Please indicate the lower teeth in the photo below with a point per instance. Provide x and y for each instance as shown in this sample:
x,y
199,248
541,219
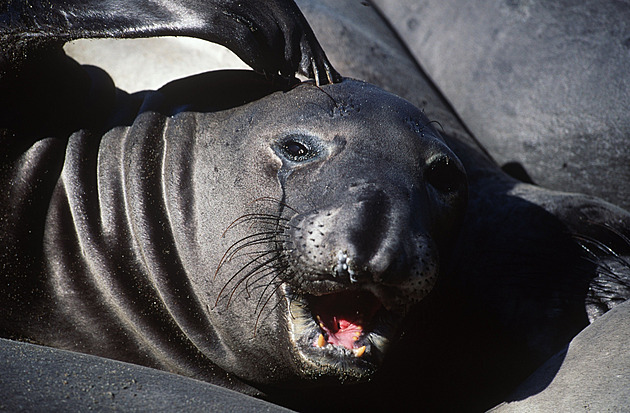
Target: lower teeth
x,y
321,343
358,352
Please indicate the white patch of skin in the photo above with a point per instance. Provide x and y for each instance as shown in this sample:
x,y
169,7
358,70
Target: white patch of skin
x,y
342,266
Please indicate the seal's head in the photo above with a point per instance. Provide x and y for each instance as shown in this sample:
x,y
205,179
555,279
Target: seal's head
x,y
346,203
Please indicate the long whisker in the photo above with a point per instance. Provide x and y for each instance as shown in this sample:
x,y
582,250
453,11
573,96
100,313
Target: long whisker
x,y
250,217
262,275
268,236
266,302
262,295
618,233
250,244
602,247
438,123
612,229
236,275
254,253
249,274
262,253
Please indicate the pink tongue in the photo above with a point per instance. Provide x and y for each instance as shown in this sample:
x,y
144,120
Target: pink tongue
x,y
342,332
343,316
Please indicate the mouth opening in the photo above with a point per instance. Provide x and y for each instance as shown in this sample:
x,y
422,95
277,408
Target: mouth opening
x,y
342,335
344,318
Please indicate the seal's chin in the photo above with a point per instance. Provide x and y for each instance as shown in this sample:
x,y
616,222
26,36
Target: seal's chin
x,y
343,334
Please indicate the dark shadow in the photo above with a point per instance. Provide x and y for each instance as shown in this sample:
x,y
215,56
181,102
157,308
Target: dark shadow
x,y
219,90
517,171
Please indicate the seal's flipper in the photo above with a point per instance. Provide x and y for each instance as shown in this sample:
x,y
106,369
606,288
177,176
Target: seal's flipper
x,y
273,37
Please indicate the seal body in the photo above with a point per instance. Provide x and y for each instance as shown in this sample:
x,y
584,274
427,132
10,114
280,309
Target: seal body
x,y
155,251
274,38
281,240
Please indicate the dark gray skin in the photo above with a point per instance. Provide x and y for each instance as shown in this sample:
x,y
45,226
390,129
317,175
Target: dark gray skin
x,y
197,240
542,84
484,328
583,376
273,38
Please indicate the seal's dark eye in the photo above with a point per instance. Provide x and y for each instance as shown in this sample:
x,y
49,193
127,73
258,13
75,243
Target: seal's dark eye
x,y
445,175
295,149
298,148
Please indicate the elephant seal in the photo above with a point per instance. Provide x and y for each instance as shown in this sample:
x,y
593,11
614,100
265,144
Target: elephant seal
x,y
275,241
528,271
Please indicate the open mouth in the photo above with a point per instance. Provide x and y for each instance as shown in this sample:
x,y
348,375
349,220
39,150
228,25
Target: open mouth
x,y
343,334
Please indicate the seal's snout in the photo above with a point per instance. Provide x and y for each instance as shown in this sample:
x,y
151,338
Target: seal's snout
x,y
365,240
356,267
361,231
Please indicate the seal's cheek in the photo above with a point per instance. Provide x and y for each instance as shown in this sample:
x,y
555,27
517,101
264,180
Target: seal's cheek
x,y
272,164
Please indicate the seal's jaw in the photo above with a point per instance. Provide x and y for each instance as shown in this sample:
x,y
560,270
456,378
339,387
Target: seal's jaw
x,y
342,334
